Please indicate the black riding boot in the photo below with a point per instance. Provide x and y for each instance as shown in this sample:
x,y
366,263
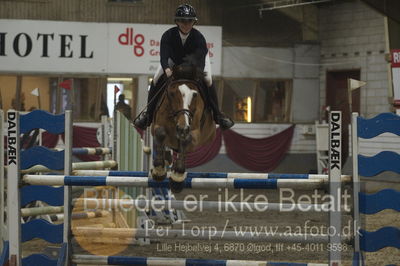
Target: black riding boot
x,y
220,118
144,119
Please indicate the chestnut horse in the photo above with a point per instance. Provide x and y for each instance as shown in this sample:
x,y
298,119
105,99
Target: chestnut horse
x,y
182,123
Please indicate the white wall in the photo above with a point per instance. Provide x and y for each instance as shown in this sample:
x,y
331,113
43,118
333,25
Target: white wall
x,y
305,98
299,64
352,37
258,62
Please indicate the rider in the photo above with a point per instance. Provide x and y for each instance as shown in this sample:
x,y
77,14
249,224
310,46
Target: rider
x,y
176,43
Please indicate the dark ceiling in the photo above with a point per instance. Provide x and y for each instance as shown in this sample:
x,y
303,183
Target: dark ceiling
x,y
390,8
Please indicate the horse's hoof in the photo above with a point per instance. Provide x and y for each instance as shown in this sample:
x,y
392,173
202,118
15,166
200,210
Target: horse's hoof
x,y
168,158
147,149
176,187
178,176
158,176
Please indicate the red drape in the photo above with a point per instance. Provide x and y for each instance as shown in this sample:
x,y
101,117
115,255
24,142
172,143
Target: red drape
x,y
204,153
82,137
49,140
85,137
261,155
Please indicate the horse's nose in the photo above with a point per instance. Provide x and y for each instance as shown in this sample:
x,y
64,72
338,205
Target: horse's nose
x,y
183,132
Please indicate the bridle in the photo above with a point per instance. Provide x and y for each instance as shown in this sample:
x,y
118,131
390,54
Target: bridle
x,y
184,111
175,114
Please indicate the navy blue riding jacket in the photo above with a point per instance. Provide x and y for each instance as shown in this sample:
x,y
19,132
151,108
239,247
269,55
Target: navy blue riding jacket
x,y
171,47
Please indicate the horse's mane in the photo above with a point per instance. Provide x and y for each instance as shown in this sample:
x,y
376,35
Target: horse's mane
x,y
189,69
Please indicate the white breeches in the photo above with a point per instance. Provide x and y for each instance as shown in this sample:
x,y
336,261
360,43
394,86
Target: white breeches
x,y
207,70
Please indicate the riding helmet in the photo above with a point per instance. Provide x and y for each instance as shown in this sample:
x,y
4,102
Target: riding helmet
x,y
185,11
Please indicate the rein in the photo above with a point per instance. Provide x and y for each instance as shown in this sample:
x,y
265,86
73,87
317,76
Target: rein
x,y
154,97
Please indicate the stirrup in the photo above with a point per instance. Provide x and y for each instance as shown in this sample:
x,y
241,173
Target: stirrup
x,y
142,121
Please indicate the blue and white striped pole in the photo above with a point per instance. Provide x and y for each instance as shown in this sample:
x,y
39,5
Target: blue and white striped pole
x,y
152,261
91,151
346,178
198,205
195,183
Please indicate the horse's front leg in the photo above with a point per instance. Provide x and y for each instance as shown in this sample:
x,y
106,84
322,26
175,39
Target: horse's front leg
x,y
158,171
177,180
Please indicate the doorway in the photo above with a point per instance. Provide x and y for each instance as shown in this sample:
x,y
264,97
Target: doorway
x,y
120,85
337,98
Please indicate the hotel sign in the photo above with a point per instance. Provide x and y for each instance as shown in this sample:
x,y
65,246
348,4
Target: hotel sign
x,y
97,48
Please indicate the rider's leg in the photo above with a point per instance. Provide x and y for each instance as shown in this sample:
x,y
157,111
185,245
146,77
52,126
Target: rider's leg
x,y
145,119
219,117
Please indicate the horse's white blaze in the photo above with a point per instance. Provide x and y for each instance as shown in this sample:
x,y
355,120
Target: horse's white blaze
x,y
187,95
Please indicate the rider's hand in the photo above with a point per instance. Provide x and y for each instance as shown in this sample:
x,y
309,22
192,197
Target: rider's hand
x,y
168,72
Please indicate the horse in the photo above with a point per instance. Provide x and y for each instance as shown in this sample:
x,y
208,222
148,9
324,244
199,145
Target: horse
x,y
182,122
